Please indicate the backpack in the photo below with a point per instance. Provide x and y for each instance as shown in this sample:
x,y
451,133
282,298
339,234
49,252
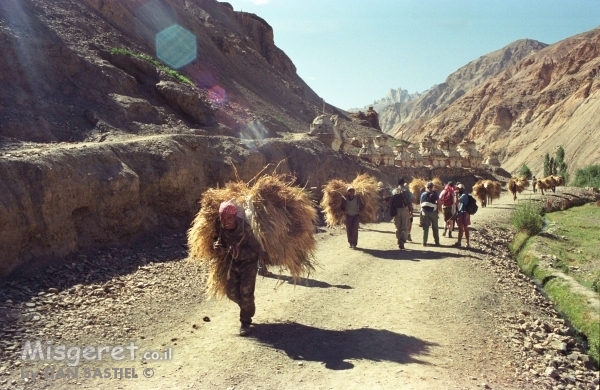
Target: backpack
x,y
430,197
471,206
448,197
398,202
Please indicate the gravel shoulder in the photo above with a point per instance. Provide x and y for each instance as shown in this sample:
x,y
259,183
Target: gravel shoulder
x,y
427,317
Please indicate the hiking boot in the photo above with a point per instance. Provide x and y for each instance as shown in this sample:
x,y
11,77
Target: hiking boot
x,y
244,330
409,238
450,235
437,244
457,244
445,231
424,244
401,246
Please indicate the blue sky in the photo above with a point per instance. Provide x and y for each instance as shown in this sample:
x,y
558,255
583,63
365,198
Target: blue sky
x,y
352,52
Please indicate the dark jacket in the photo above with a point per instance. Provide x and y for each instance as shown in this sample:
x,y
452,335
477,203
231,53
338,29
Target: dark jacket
x,y
361,206
400,200
240,242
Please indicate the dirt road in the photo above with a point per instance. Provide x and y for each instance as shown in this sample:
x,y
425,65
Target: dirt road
x,y
375,317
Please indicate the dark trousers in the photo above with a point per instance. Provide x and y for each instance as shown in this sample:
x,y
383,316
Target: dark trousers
x,y
430,218
240,287
352,229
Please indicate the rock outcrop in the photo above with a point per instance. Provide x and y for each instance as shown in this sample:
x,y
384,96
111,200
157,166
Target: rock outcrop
x,y
66,62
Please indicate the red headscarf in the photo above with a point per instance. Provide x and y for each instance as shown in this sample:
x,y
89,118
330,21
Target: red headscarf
x,y
227,208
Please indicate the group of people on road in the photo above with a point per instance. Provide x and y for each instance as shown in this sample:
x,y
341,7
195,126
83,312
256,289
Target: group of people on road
x,y
234,234
453,201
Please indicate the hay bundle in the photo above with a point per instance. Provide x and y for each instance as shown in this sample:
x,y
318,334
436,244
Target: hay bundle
x,y
512,187
480,192
334,192
283,223
560,181
492,190
542,185
517,185
417,187
522,183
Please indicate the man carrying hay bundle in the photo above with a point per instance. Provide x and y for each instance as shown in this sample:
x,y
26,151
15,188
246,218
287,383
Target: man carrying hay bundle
x,y
271,221
352,205
235,240
360,197
401,209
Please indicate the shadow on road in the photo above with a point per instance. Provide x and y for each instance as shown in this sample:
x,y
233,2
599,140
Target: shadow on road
x,y
378,231
335,347
409,253
307,282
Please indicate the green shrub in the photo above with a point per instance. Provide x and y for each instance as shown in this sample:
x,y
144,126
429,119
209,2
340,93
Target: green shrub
x,y
525,171
587,177
527,217
153,61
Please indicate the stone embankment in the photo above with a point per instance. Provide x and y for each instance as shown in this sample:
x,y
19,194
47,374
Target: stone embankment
x,y
60,199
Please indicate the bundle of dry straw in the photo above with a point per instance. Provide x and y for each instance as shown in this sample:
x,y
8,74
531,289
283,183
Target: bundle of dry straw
x,y
283,223
480,192
334,192
417,187
517,185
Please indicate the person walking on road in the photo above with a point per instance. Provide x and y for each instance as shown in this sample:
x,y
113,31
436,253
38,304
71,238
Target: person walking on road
x,y
463,219
411,215
448,204
429,201
234,237
384,195
352,205
401,210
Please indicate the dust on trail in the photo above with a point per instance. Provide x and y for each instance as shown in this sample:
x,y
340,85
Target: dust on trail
x,y
374,317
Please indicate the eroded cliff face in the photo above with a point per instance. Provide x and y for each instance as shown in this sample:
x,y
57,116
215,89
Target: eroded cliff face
x,y
57,200
548,99
62,81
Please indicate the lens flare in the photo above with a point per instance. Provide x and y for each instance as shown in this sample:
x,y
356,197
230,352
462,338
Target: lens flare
x,y
217,96
176,46
254,130
203,79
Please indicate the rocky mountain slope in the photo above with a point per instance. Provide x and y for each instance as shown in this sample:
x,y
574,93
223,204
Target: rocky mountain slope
x,y
405,117
68,73
100,142
548,99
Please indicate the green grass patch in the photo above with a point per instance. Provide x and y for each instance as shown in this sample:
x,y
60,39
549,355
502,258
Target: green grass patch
x,y
574,307
578,255
572,241
154,62
527,217
518,243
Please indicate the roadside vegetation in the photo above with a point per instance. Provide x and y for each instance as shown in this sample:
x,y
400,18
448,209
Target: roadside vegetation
x,y
570,244
587,177
154,62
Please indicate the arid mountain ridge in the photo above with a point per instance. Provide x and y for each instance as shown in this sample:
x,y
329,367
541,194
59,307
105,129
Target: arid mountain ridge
x,y
548,98
413,113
